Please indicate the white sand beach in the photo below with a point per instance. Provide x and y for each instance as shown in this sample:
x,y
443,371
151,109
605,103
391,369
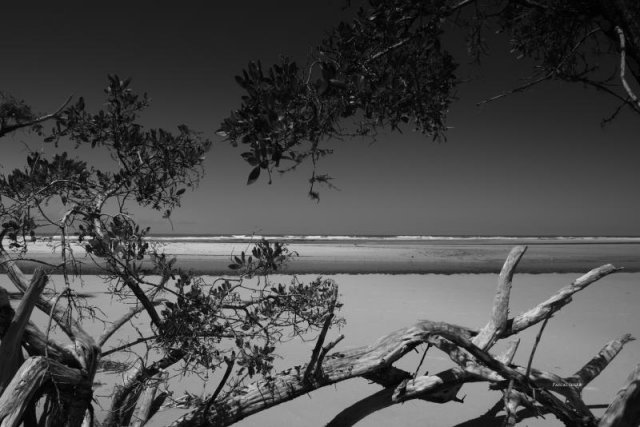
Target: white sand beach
x,y
376,304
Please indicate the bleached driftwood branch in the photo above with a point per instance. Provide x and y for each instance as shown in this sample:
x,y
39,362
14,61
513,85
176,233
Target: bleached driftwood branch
x,y
468,349
71,372
624,411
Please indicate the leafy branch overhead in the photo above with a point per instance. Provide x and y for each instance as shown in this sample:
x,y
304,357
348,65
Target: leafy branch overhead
x,y
389,67
153,167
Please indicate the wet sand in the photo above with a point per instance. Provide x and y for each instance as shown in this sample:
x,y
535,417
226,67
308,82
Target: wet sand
x,y
398,257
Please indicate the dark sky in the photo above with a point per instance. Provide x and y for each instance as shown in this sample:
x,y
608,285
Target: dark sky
x,y
532,164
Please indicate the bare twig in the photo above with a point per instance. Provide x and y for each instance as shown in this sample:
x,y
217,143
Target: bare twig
x,y
551,73
128,345
313,366
424,354
388,49
462,4
517,89
211,400
124,319
327,348
11,128
535,345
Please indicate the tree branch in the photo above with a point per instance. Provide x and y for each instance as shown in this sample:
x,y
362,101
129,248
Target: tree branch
x,y
315,364
535,345
11,128
623,67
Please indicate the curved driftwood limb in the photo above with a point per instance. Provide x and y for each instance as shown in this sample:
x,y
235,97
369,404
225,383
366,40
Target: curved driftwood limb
x,y
500,311
624,411
557,301
596,365
338,367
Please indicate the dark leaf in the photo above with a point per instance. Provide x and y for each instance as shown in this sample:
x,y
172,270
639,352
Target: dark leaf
x,y
253,176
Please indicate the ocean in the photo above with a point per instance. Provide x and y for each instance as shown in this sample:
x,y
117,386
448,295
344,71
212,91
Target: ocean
x,y
211,254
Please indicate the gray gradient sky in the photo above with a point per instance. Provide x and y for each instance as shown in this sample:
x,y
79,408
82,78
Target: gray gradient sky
x,y
532,164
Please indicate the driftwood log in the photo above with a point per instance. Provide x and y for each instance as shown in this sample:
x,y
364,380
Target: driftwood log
x,y
63,375
536,391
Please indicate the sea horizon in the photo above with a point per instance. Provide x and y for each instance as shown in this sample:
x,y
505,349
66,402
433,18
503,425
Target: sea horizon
x,y
235,237
394,254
